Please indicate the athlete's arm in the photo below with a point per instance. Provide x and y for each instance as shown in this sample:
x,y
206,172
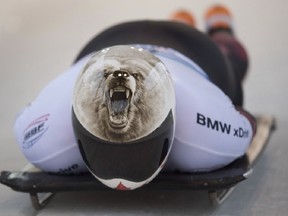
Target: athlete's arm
x,y
210,131
44,130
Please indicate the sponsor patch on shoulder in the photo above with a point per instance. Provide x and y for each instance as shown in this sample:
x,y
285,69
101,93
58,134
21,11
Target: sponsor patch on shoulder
x,y
34,131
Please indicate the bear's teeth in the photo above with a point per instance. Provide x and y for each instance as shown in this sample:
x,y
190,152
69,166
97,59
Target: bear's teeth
x,y
111,93
127,93
119,89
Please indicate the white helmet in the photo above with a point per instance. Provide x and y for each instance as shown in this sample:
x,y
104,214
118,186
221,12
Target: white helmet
x,y
123,116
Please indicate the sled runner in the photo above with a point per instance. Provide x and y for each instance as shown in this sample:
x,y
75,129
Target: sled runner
x,y
219,183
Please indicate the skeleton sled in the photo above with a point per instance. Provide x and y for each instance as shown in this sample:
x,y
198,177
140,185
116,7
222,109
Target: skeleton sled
x,y
220,183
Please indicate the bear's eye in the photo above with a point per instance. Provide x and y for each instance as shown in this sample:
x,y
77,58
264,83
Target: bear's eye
x,y
135,75
106,74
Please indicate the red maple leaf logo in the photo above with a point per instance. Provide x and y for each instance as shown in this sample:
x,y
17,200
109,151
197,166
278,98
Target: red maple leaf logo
x,y
120,186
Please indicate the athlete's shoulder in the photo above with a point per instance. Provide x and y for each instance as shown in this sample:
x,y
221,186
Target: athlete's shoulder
x,y
173,59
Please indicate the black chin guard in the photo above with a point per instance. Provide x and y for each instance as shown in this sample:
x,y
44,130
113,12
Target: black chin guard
x,y
135,161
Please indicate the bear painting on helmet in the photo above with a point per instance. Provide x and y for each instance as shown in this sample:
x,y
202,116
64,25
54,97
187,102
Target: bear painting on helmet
x,y
123,115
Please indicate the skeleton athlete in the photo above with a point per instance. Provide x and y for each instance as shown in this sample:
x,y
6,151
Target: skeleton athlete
x,y
140,97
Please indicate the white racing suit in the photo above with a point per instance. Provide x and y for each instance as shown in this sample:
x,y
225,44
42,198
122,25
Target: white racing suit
x,y
210,132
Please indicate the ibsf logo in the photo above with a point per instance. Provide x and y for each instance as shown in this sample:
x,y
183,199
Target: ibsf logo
x,y
34,131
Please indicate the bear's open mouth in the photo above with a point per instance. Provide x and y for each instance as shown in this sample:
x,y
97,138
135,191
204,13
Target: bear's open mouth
x,y
119,100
